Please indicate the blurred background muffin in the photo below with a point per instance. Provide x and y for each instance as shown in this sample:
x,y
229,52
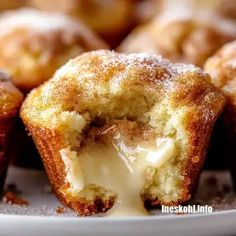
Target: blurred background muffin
x,y
10,101
111,19
222,68
33,45
181,36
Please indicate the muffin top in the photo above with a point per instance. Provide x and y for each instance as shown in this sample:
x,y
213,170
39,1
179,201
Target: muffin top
x,y
222,68
106,85
182,35
10,97
34,44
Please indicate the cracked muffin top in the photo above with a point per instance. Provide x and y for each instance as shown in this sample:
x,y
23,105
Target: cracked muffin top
x,y
88,83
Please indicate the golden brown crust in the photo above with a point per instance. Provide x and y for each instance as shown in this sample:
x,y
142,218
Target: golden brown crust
x,y
95,85
181,37
43,42
49,144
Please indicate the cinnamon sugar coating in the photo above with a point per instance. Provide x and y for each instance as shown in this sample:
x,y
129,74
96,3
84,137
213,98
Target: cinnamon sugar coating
x,y
143,96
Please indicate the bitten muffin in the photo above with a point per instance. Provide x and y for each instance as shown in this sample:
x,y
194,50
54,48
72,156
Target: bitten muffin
x,y
34,44
109,18
122,130
222,68
181,36
10,101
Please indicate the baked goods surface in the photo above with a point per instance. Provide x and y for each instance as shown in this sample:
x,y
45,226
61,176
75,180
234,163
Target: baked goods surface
x,y
10,101
122,131
109,18
181,36
34,44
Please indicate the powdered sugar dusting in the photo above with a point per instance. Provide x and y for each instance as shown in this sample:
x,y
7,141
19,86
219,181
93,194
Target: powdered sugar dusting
x,y
155,61
149,62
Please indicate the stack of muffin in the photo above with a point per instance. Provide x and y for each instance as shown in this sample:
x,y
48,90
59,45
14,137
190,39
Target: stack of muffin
x,y
163,98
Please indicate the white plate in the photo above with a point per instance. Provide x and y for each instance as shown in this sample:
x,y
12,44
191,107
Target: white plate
x,y
40,216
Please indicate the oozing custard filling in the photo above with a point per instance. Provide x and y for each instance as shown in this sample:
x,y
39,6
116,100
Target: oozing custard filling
x,y
117,161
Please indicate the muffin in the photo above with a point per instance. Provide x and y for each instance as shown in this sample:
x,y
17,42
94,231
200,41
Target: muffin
x,y
109,18
222,69
181,36
34,44
105,148
10,101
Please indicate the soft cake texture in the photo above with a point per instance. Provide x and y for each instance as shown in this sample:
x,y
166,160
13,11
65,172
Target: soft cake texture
x,y
110,99
33,44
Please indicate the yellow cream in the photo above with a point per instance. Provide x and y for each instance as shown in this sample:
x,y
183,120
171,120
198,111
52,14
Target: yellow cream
x,y
119,168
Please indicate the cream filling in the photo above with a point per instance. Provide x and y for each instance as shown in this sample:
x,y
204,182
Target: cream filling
x,y
74,174
117,167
